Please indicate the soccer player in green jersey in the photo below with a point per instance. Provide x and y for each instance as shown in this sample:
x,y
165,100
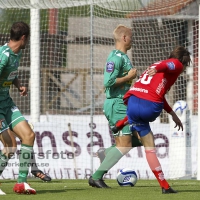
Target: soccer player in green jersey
x,y
10,115
118,76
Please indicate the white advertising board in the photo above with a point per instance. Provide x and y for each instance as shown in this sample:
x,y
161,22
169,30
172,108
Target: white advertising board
x,y
53,148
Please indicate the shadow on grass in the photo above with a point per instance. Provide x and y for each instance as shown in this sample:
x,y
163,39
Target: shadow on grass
x,y
182,191
57,191
31,180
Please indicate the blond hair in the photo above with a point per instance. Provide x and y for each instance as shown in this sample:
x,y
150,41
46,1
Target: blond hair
x,y
119,31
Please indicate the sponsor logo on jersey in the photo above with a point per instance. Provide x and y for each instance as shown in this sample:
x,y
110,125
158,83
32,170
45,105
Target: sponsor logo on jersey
x,y
7,83
14,109
171,65
139,89
110,66
12,75
161,85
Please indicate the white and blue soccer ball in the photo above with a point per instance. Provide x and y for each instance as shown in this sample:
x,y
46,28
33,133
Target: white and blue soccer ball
x,y
127,177
180,107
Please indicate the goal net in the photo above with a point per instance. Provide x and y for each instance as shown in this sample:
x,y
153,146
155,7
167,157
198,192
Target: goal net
x,y
63,67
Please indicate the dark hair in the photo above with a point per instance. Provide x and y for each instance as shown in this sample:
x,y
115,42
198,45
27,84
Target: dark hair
x,y
182,54
19,29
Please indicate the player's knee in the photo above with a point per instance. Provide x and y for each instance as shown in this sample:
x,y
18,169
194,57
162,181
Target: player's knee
x,y
124,146
124,141
29,137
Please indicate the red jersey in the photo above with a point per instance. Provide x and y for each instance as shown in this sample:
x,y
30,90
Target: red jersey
x,y
154,88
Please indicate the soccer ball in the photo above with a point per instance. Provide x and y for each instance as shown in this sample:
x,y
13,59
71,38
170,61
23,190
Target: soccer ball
x,y
179,107
127,177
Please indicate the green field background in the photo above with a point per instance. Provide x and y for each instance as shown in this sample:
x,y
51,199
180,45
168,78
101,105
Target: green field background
x,y
80,190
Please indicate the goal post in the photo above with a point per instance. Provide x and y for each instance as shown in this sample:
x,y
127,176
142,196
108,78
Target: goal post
x,y
63,67
198,149
35,65
180,149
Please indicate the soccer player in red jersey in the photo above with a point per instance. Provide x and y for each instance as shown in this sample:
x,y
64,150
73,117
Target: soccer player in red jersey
x,y
146,99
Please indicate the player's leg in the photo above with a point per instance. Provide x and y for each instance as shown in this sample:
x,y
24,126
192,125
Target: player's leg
x,y
9,143
117,126
102,152
114,110
34,167
37,172
154,164
18,124
120,124
10,146
123,145
27,137
147,111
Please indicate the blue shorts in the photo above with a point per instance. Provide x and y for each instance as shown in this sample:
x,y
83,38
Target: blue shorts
x,y
140,112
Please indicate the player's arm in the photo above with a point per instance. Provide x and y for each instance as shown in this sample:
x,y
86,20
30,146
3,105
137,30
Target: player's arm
x,y
129,77
3,62
169,66
175,118
17,83
22,89
111,73
167,107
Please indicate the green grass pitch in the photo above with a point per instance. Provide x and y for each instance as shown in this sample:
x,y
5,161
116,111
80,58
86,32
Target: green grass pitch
x,y
80,190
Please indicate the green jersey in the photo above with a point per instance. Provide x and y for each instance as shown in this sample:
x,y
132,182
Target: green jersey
x,y
9,63
117,65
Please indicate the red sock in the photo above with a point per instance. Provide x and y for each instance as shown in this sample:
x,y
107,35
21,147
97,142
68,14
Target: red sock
x,y
155,166
121,123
